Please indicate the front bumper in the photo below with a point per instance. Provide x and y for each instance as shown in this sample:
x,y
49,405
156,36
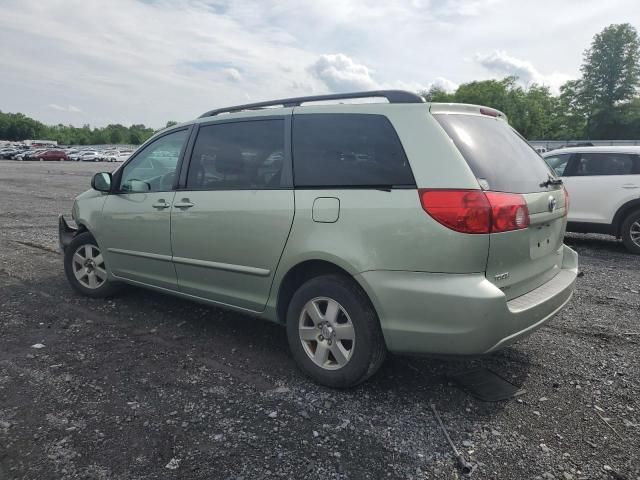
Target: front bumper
x,y
65,233
461,314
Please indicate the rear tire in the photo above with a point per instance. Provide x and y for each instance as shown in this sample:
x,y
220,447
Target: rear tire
x,y
631,232
328,314
85,268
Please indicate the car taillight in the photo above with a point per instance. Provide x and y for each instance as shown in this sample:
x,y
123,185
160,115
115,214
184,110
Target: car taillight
x,y
508,211
475,211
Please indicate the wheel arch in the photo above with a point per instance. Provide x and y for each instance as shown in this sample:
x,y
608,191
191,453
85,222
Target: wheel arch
x,y
300,273
622,213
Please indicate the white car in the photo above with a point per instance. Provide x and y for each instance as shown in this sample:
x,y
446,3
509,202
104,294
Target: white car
x,y
124,155
604,190
90,156
110,155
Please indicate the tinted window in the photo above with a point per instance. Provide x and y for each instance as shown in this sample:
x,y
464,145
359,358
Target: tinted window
x,y
238,156
153,169
558,163
587,164
498,156
348,150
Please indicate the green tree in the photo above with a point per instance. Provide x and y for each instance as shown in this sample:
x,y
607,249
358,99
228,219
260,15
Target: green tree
x,y
437,94
611,67
572,112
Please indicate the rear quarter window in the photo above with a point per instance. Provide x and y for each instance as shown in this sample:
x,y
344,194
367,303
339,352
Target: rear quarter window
x,y
498,156
558,163
348,150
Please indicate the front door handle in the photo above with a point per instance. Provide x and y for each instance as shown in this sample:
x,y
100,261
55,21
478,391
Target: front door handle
x,y
184,203
161,204
629,186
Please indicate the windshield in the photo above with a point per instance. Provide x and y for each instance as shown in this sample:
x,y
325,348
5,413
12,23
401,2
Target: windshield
x,y
498,156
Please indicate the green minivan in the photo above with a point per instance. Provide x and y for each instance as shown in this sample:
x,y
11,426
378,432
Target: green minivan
x,y
363,227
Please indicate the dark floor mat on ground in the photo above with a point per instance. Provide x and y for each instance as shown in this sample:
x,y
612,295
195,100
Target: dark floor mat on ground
x,y
484,385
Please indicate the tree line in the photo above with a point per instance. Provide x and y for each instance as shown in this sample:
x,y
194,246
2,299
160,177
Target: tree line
x,y
603,103
17,127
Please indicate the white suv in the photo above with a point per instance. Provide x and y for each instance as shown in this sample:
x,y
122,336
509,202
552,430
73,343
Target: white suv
x,y
604,190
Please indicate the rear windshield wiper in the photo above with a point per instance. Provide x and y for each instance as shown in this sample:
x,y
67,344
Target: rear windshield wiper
x,y
551,181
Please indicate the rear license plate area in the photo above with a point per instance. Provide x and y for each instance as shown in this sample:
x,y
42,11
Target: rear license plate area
x,y
544,239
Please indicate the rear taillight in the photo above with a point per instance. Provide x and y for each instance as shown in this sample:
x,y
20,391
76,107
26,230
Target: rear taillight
x,y
508,211
475,211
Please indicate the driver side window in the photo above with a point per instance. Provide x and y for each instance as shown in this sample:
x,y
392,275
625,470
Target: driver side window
x,y
154,168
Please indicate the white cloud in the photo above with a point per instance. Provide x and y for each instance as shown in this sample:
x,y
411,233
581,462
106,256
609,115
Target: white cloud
x,y
341,74
60,108
465,8
232,74
156,60
500,63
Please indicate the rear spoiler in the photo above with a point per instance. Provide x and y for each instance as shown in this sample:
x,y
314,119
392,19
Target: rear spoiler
x,y
466,108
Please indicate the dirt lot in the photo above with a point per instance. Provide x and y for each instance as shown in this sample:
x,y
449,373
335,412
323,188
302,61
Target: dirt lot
x,y
148,386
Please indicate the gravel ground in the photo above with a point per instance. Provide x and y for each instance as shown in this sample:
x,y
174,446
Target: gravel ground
x,y
149,386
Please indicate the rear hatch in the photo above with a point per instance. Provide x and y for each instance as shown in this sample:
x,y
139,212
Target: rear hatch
x,y
523,259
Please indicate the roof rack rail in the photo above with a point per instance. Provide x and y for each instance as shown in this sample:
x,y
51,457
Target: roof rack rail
x,y
393,96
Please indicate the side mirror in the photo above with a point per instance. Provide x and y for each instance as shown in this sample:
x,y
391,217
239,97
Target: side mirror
x,y
101,182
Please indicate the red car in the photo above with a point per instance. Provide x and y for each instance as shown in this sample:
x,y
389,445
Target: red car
x,y
52,155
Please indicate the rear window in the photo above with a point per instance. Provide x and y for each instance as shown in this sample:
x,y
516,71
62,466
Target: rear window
x,y
498,156
348,150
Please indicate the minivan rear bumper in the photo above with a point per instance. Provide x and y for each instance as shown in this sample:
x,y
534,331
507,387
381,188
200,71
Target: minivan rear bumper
x,y
461,314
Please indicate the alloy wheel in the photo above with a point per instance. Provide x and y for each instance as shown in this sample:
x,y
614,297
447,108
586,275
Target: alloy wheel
x,y
634,232
88,266
326,333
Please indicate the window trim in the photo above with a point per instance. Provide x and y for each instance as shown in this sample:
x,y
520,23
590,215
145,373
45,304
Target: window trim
x,y
117,175
287,171
408,186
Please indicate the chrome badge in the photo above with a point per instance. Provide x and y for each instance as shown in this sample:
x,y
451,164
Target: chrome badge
x,y
552,203
502,276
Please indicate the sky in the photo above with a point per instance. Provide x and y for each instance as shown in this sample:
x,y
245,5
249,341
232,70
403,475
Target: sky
x,y
150,61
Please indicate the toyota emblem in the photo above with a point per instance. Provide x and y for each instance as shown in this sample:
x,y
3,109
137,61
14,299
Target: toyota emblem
x,y
552,203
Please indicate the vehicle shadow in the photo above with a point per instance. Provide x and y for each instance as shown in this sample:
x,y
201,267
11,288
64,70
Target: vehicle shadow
x,y
603,243
411,378
257,352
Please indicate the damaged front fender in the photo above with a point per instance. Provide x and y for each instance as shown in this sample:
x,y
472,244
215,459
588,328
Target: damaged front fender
x,y
65,233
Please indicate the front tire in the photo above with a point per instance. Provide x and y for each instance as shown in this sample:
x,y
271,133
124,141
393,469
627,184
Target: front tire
x,y
334,333
631,232
85,268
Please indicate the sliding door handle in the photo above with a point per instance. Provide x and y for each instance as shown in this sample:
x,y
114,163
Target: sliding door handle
x,y
161,204
184,203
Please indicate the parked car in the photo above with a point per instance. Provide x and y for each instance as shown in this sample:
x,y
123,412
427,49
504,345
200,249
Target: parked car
x,y
75,156
402,226
89,156
51,155
7,153
29,154
110,156
123,155
604,188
